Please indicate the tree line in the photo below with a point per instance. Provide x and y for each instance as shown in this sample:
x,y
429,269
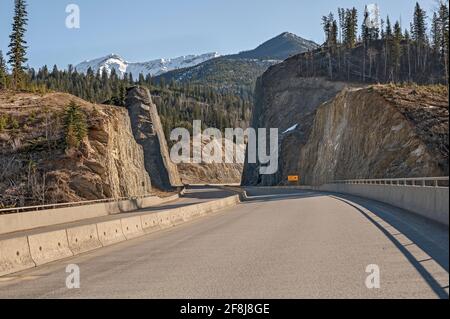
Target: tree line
x,y
381,51
178,103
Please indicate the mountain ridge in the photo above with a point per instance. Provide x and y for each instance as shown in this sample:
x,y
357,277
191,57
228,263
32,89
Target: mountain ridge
x,y
268,53
152,67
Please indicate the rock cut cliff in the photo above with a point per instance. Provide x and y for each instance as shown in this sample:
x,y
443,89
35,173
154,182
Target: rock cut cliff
x,y
149,133
332,130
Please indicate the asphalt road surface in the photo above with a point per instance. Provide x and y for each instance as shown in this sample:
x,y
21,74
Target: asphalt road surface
x,y
283,244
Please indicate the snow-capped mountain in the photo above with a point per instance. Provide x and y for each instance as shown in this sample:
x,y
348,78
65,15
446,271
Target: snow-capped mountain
x,y
154,67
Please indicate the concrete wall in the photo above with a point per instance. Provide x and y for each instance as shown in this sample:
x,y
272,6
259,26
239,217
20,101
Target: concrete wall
x,y
10,223
22,253
429,202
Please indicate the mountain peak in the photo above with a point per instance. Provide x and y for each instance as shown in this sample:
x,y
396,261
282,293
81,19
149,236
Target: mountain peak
x,y
287,34
280,47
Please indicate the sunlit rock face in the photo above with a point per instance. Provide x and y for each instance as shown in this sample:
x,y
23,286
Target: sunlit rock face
x,y
149,133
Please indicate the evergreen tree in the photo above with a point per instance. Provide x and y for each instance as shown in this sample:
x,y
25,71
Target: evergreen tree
x,y
419,31
396,51
3,72
365,30
331,31
436,33
351,29
388,28
17,46
444,36
75,125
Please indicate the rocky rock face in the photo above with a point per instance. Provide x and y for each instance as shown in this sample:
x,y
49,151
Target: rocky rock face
x,y
210,173
283,100
360,134
37,168
332,130
216,173
148,132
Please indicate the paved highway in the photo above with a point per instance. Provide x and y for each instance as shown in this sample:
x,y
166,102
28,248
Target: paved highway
x,y
280,244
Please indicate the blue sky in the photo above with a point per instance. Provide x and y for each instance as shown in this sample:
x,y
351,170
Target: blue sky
x,y
141,30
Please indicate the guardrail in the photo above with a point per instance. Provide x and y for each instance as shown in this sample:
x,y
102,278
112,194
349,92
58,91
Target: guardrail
x,y
415,181
71,204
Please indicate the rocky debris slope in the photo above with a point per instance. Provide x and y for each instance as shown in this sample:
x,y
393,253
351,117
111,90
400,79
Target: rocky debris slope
x,y
36,167
333,130
216,173
149,133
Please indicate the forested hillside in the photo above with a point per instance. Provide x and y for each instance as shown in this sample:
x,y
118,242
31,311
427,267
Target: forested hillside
x,y
227,75
178,103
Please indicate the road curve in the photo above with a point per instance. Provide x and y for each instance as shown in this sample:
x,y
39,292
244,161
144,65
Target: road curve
x,y
283,244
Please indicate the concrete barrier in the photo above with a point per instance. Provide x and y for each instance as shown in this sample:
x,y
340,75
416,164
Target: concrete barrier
x,y
10,223
429,202
165,219
110,232
177,217
15,256
150,223
132,227
83,239
22,253
48,247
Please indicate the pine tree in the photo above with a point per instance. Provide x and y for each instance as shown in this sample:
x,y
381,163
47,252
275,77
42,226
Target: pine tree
x,y
331,31
75,125
419,31
396,50
444,36
419,34
387,46
3,72
365,30
436,33
388,28
351,29
17,46
407,38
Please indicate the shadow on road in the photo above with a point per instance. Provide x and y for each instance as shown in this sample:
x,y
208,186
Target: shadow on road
x,y
210,193
430,237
